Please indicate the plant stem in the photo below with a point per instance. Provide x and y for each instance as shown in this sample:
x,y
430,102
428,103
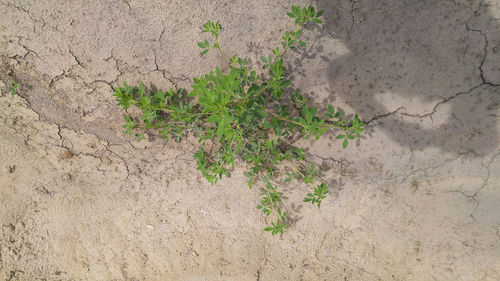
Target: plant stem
x,y
297,170
272,203
334,125
285,119
230,146
220,51
286,47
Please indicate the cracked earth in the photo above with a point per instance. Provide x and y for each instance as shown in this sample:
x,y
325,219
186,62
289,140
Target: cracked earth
x,y
418,198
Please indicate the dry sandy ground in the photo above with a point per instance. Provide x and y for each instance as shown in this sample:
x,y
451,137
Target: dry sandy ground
x,y
418,198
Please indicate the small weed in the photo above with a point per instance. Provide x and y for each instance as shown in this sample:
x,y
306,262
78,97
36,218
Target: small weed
x,y
318,195
242,113
13,88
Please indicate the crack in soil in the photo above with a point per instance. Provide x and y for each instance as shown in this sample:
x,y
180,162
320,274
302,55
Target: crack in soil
x,y
478,190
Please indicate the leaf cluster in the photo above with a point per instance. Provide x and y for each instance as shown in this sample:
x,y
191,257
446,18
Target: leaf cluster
x,y
319,194
271,197
241,113
305,15
13,88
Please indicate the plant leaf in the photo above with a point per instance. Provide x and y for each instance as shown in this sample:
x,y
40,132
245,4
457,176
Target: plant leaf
x,y
213,118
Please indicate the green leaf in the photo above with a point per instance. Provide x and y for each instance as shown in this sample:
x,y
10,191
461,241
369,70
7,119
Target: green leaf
x,y
319,13
140,137
302,44
340,137
344,144
310,9
213,118
285,83
298,33
309,115
317,21
331,109
220,128
201,45
13,88
292,15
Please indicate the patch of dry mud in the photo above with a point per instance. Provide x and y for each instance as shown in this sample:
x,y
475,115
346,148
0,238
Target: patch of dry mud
x,y
416,199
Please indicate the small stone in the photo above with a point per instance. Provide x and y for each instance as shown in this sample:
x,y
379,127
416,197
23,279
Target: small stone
x,y
67,154
67,177
81,112
10,169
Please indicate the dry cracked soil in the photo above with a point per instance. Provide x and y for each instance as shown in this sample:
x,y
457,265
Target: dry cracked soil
x,y
417,198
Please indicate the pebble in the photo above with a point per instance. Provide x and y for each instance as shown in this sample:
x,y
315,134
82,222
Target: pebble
x,y
67,154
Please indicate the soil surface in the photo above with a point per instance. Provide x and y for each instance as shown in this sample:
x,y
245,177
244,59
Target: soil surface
x,y
417,198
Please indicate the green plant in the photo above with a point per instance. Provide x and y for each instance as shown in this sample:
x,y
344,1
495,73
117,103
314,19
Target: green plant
x,y
241,113
318,195
13,88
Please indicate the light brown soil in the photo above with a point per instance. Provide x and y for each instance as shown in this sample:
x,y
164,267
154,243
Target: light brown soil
x,y
416,199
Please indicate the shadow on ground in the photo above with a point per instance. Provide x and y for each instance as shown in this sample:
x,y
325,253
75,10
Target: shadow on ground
x,y
409,62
